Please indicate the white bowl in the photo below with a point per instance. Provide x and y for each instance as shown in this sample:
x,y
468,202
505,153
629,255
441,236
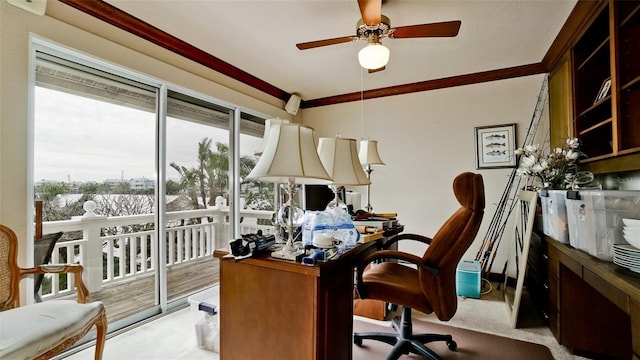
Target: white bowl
x,y
633,240
323,241
632,223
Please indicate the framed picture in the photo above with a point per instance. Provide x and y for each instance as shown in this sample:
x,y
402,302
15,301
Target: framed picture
x,y
604,90
495,146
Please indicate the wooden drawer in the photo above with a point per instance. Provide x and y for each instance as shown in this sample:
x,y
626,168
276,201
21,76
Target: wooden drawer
x,y
552,259
571,264
554,324
634,312
552,285
612,293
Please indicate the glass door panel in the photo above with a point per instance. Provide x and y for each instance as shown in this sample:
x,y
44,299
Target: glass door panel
x,y
94,167
197,191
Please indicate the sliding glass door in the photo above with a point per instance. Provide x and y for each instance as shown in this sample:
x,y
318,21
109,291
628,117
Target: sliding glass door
x,y
142,178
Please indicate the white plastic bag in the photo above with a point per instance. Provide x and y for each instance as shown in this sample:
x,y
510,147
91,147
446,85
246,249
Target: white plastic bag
x,y
335,222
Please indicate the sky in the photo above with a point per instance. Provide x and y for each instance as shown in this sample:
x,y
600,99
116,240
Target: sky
x,y
90,140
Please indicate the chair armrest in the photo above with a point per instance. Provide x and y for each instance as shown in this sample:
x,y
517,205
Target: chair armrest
x,y
81,290
402,236
388,254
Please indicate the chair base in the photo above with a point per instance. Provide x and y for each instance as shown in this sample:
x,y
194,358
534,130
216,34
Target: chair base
x,y
404,341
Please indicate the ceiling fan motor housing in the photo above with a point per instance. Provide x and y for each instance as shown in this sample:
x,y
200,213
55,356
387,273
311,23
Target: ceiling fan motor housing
x,y
381,30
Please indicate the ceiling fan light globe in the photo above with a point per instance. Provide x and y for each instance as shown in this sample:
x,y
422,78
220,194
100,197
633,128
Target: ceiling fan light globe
x,y
373,56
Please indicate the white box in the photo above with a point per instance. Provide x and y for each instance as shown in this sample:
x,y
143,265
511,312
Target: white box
x,y
210,296
595,219
554,214
206,325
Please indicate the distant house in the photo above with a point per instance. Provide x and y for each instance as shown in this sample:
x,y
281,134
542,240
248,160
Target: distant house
x,y
141,184
134,183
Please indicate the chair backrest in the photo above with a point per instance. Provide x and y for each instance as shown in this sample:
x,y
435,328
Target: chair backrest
x,y
9,271
450,243
42,251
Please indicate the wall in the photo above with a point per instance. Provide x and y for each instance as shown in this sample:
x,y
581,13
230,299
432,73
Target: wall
x,y
114,46
426,139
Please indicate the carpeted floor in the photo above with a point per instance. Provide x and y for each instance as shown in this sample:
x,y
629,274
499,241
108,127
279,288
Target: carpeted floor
x,y
480,328
471,344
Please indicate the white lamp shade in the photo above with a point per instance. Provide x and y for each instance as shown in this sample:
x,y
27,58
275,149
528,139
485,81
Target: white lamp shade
x,y
267,126
373,56
290,153
368,153
340,158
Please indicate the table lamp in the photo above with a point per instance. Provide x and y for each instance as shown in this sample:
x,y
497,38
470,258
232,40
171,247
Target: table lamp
x,y
267,127
368,155
290,157
339,157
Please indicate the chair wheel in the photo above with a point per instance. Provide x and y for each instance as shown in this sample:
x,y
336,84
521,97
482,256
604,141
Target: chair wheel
x,y
357,340
453,346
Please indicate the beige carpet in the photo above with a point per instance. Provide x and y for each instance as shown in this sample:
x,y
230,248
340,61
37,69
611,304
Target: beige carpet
x,y
173,336
471,344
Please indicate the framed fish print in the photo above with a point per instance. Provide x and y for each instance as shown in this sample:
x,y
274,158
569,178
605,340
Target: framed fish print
x,y
495,146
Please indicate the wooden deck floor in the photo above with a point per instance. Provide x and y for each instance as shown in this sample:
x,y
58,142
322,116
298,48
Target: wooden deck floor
x,y
128,297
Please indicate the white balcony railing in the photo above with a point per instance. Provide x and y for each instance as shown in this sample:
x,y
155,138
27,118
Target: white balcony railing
x,y
132,250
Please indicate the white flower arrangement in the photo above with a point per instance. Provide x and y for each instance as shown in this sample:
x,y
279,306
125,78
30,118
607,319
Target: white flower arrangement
x,y
554,170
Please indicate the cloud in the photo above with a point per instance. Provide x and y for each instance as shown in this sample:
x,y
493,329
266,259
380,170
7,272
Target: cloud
x,y
82,139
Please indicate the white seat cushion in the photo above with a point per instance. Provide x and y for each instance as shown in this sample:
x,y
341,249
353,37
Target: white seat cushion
x,y
31,330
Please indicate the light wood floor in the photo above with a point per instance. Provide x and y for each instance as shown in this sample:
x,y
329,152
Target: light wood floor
x,y
128,297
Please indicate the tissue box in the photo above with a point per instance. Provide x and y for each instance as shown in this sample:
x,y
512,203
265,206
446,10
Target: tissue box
x,y
468,278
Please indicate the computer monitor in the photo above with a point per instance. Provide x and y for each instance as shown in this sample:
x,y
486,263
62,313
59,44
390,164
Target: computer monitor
x,y
316,197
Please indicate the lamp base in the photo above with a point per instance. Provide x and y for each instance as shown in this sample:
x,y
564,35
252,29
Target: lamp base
x,y
287,255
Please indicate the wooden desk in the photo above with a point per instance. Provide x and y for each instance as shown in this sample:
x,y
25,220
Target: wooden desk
x,y
276,309
594,304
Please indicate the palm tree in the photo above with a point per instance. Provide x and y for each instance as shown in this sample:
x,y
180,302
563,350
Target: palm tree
x,y
204,157
188,180
218,172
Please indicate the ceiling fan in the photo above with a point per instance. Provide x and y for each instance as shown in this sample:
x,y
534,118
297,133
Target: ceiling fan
x,y
374,26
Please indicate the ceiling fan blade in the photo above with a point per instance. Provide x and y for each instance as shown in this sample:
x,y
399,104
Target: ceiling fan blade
x,y
371,10
319,43
442,29
371,71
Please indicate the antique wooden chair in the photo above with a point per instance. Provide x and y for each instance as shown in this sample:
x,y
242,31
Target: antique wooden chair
x,y
428,286
42,251
42,330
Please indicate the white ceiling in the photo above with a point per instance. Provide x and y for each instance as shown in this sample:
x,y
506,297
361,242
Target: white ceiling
x,y
259,37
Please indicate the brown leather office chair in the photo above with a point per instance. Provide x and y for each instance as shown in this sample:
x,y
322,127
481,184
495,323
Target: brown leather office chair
x,y
429,286
42,330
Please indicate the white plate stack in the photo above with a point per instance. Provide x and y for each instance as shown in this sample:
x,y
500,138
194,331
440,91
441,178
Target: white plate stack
x,y
629,255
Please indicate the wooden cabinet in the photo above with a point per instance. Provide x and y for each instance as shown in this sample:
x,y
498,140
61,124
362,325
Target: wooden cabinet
x,y
594,302
275,309
627,34
599,77
591,66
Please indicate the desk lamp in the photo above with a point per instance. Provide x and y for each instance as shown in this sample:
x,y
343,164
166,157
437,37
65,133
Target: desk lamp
x,y
278,193
267,127
290,157
340,158
368,155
